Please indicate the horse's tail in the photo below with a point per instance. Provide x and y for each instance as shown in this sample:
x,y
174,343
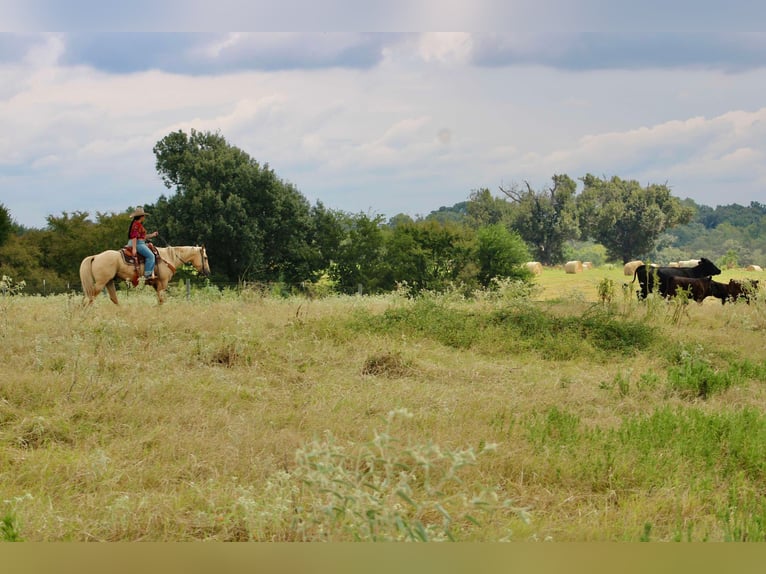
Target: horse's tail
x,y
86,278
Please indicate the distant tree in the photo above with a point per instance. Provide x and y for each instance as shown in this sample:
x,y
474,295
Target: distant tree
x,y
254,225
545,219
458,213
6,224
21,259
400,219
626,218
427,255
735,214
485,209
326,234
68,239
360,257
501,253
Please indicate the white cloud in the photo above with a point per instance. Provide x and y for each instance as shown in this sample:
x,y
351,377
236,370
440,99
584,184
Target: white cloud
x,y
419,131
446,47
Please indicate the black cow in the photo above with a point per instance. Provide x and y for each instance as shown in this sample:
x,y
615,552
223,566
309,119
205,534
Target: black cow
x,y
647,276
734,289
697,287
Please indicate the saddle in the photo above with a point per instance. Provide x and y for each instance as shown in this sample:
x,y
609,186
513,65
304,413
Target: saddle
x,y
136,259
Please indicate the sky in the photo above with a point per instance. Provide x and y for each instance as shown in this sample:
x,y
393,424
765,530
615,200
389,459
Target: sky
x,y
389,120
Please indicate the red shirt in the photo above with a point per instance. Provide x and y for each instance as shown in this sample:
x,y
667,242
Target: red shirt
x,y
137,230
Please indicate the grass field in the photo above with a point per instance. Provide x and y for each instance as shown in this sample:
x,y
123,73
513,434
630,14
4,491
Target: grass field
x,y
241,417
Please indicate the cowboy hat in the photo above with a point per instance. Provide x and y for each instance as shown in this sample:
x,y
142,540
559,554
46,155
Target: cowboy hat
x,y
138,212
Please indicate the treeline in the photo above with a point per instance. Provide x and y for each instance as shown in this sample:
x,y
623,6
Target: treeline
x,y
258,228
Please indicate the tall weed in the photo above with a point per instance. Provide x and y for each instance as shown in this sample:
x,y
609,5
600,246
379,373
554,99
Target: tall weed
x,y
389,489
695,376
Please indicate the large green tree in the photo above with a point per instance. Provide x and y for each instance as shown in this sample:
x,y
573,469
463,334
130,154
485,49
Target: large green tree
x,y
545,219
626,218
255,226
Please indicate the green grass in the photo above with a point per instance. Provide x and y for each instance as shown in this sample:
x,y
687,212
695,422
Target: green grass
x,y
564,417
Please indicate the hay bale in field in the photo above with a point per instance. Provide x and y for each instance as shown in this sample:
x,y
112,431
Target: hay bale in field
x,y
587,265
630,267
534,266
689,263
753,268
674,264
573,267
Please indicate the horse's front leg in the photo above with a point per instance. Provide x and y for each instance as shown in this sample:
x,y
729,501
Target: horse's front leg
x,y
112,291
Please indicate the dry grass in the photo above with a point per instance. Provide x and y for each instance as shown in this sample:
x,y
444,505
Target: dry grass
x,y
185,422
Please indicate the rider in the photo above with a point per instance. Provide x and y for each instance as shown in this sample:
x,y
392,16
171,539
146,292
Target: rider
x,y
137,236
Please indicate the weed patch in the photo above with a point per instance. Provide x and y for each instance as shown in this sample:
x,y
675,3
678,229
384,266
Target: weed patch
x,y
391,365
696,377
388,489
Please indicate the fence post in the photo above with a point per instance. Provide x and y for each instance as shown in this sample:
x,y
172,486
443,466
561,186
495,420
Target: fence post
x,y
188,288
359,289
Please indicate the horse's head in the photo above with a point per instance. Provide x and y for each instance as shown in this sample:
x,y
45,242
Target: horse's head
x,y
200,261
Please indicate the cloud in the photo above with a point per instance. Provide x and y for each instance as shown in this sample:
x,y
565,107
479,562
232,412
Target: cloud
x,y
393,122
206,53
693,156
732,52
229,52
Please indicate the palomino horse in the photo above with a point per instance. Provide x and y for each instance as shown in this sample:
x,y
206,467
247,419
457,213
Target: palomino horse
x,y
99,271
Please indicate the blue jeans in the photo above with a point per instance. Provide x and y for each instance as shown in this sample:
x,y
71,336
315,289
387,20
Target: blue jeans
x,y
147,253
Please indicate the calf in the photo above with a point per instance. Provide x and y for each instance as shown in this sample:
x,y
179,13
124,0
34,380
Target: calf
x,y
697,287
734,289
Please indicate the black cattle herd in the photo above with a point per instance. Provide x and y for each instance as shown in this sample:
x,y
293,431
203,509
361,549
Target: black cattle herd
x,y
696,281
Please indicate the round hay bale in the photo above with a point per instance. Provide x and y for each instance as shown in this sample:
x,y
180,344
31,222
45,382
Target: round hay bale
x,y
753,268
689,263
534,266
573,267
630,267
674,264
587,265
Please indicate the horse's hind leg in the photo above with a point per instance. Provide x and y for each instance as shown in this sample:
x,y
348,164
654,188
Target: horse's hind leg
x,y
90,295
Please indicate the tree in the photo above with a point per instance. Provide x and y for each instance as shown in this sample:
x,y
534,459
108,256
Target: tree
x,y
254,225
501,253
427,254
626,218
485,209
6,224
455,214
360,256
326,235
67,240
545,219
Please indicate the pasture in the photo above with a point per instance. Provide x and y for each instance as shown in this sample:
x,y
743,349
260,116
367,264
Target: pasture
x,y
241,417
